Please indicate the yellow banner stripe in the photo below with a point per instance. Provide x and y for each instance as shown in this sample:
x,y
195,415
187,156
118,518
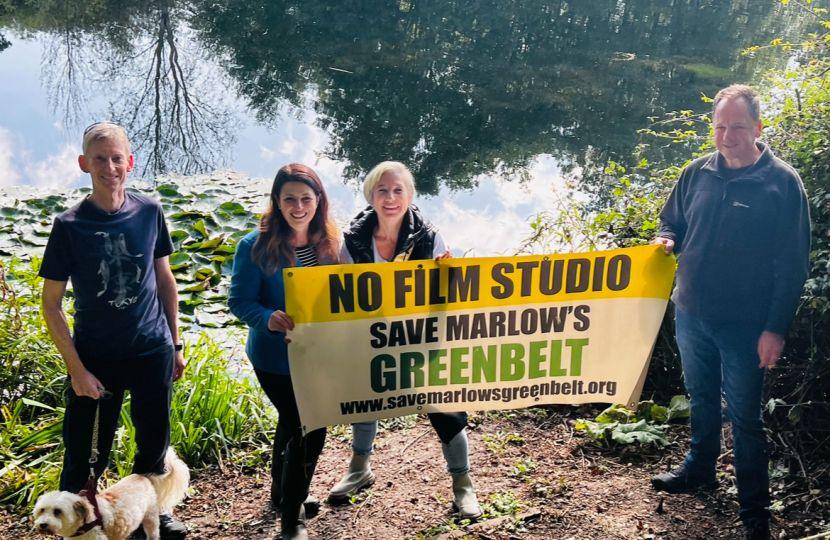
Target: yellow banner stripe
x,y
363,291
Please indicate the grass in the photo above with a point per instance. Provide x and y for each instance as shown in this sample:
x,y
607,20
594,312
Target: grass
x,y
499,441
218,414
501,503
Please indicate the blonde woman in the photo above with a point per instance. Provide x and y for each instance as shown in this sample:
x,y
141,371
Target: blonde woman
x,y
393,229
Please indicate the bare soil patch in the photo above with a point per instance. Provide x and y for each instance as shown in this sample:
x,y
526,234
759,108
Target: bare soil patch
x,y
525,464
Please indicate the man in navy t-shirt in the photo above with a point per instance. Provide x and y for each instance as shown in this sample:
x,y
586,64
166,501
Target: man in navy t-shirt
x,y
114,246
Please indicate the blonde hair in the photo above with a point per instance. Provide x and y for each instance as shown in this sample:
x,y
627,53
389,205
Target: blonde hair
x,y
108,131
382,168
749,95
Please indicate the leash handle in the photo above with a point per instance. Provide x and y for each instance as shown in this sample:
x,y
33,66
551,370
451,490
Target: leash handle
x,y
93,454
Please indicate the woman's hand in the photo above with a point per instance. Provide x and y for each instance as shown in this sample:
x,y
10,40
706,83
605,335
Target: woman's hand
x,y
445,255
280,321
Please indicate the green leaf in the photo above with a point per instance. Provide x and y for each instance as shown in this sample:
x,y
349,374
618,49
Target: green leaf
x,y
178,234
639,432
179,257
168,190
648,410
201,228
679,408
33,403
234,208
187,214
615,413
204,273
226,248
206,245
197,287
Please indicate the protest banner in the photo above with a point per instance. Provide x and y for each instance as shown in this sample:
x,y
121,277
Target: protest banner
x,y
382,340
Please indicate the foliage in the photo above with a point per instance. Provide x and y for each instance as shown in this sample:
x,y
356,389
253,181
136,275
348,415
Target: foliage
x,y
499,441
796,102
501,503
205,225
217,413
798,406
524,468
646,425
31,366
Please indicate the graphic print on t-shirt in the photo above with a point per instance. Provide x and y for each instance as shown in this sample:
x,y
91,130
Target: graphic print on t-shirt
x,y
119,272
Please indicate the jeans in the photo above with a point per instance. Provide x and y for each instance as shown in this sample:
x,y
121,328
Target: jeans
x,y
456,451
722,358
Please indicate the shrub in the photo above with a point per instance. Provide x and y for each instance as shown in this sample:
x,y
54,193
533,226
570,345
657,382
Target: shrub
x,y
217,414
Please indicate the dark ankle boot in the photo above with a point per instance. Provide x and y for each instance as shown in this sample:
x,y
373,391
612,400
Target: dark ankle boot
x,y
292,524
170,528
682,480
281,438
757,530
311,503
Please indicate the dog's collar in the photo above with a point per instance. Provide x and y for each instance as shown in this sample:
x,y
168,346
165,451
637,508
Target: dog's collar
x,y
89,494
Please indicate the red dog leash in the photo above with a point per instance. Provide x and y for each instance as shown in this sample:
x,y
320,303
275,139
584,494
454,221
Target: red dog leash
x,y
89,491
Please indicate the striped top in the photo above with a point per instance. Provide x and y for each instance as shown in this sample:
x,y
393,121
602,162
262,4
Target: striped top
x,y
306,256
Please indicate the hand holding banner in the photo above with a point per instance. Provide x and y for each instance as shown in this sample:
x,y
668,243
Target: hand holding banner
x,y
381,340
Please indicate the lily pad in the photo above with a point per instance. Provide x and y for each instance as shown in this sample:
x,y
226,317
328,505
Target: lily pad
x,y
168,190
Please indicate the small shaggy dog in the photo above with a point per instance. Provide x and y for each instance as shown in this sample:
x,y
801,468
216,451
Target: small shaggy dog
x,y
135,500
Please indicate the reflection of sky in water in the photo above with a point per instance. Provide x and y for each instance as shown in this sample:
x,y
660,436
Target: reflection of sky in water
x,y
35,150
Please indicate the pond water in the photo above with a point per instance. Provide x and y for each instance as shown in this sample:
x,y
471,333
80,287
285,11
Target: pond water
x,y
495,105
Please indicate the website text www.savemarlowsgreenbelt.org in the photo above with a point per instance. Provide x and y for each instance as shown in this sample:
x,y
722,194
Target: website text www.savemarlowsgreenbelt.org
x,y
470,395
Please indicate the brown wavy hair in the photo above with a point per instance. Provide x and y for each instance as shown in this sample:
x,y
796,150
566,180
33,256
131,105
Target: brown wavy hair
x,y
272,248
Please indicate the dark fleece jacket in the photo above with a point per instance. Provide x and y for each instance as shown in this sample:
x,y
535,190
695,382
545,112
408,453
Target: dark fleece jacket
x,y
743,243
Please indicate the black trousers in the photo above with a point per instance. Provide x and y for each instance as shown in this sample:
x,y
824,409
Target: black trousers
x,y
294,456
148,378
447,425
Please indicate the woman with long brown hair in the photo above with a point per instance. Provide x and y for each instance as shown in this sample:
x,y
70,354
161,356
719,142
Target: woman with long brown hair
x,y
295,230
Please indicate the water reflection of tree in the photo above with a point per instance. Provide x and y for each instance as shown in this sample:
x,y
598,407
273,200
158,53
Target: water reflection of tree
x,y
178,119
461,88
130,62
65,75
455,88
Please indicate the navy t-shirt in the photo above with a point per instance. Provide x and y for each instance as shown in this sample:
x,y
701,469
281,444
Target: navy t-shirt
x,y
110,259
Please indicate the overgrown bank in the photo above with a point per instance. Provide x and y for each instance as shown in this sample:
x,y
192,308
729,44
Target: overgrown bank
x,y
218,414
797,128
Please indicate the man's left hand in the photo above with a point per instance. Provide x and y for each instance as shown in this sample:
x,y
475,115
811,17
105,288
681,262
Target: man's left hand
x,y
178,365
770,347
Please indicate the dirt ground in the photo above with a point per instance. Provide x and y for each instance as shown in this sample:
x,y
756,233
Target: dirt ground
x,y
526,465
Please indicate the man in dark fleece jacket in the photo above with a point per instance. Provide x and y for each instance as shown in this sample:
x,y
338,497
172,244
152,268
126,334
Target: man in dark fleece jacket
x,y
738,220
